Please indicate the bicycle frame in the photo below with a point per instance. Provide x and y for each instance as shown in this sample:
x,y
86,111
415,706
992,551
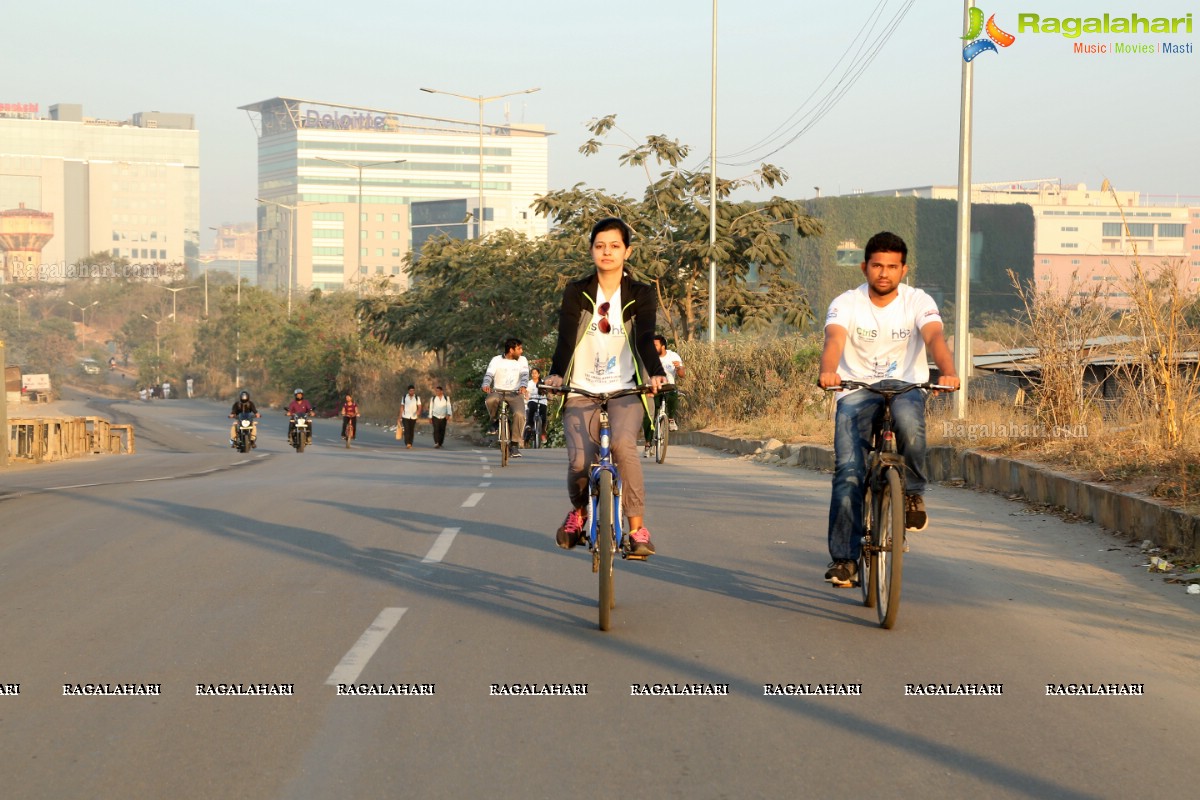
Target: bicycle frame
x,y
604,463
504,415
605,478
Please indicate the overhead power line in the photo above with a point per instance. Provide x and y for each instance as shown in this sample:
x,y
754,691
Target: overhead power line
x,y
862,50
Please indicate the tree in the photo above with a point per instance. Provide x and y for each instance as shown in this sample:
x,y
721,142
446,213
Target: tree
x,y
671,222
468,296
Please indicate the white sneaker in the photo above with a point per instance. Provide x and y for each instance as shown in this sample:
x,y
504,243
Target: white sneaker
x,y
671,426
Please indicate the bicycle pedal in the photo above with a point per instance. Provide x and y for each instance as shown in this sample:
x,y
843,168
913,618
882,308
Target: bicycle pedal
x,y
632,557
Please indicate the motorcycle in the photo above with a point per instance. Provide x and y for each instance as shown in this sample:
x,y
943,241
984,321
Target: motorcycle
x,y
301,431
245,432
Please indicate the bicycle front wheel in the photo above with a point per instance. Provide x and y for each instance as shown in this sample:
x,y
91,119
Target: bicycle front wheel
x,y
606,544
889,561
537,432
660,437
504,439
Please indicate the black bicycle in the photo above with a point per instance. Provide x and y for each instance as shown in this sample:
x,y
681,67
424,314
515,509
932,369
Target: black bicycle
x,y
661,434
504,423
881,560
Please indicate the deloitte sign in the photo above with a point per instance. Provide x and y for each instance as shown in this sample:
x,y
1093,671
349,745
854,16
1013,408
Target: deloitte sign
x,y
359,120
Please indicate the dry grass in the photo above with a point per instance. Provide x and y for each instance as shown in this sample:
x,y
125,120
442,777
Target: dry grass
x,y
754,387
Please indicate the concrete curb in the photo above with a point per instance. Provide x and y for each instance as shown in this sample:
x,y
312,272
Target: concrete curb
x,y
1132,515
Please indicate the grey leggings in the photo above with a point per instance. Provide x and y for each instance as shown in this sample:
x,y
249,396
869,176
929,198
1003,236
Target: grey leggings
x,y
581,424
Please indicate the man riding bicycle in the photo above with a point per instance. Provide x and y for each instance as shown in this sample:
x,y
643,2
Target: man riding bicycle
x,y
883,330
508,373
673,367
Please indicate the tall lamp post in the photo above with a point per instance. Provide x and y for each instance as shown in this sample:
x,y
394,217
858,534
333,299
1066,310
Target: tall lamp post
x,y
712,190
358,228
157,350
291,239
174,319
83,310
237,363
481,100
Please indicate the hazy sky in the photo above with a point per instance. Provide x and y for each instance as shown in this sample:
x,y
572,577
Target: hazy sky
x,y
1041,110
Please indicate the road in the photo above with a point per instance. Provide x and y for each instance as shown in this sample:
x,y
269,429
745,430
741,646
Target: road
x,y
434,572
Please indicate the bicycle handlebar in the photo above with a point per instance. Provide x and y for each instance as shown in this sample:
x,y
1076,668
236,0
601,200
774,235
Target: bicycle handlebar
x,y
893,390
565,389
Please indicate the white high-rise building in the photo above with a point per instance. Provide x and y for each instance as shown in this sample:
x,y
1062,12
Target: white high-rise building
x,y
337,186
129,188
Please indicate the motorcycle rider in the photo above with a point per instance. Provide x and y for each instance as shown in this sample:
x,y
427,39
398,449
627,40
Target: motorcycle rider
x,y
243,405
296,407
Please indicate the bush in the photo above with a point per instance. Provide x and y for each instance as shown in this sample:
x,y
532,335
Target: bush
x,y
768,384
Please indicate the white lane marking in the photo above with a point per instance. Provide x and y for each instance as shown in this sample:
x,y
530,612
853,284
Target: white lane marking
x,y
356,658
484,485
473,500
440,546
483,459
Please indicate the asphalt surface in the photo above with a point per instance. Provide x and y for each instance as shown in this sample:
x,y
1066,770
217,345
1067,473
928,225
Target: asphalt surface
x,y
434,572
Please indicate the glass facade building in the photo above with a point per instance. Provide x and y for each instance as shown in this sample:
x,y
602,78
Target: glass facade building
x,y
337,185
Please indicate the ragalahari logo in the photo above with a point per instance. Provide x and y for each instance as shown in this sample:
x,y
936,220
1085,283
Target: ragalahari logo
x,y
976,44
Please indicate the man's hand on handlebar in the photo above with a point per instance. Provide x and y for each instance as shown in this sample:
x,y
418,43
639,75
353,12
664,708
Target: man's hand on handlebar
x,y
951,382
829,380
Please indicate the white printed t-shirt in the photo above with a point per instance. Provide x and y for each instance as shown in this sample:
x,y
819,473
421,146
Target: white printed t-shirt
x,y
507,374
883,343
668,360
603,361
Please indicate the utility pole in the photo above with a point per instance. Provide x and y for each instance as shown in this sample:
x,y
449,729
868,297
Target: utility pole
x,y
481,100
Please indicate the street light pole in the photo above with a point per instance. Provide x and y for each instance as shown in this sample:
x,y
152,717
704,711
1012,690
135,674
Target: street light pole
x,y
712,191
174,294
291,239
358,228
83,312
157,350
480,99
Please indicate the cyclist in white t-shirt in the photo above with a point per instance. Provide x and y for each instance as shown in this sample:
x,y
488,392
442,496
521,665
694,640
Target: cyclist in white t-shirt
x,y
879,331
673,367
509,372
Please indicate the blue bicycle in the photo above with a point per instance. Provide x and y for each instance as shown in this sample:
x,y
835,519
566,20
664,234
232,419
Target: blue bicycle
x,y
605,534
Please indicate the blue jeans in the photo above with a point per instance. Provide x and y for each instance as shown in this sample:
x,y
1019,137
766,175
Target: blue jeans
x,y
858,416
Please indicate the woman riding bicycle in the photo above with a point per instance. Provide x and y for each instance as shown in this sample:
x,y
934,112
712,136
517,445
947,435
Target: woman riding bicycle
x,y
605,343
348,413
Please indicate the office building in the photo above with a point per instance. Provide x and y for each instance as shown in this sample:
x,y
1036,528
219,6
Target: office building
x,y
128,188
337,184
1086,240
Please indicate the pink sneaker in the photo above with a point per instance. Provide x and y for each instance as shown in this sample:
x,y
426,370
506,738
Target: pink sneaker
x,y
639,543
570,533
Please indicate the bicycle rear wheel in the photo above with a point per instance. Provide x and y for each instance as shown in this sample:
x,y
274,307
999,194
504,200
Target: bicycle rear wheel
x,y
504,438
867,559
606,544
889,561
662,430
